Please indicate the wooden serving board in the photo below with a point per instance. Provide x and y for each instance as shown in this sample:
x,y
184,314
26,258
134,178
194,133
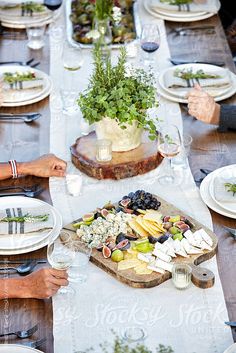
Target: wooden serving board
x,y
201,277
123,164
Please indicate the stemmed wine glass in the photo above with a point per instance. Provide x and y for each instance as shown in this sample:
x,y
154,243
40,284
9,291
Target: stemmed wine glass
x,y
169,145
61,254
150,42
53,5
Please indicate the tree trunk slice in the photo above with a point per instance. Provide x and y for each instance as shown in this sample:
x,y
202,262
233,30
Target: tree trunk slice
x,y
201,277
123,164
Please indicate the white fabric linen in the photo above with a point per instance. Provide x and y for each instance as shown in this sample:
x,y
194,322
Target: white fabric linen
x,y
221,193
191,320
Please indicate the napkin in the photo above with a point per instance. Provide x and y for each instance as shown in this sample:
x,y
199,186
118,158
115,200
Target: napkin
x,y
25,227
13,9
195,6
220,192
215,86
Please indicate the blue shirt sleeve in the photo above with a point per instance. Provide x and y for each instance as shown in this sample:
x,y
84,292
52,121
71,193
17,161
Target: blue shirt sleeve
x,y
227,118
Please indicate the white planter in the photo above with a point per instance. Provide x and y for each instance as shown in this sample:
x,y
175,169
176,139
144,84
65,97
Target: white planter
x,y
122,139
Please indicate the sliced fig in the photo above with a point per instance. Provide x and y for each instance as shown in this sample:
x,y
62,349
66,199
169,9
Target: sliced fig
x,y
152,239
125,202
178,224
100,247
106,252
184,227
120,237
104,213
166,218
88,217
128,210
131,236
167,225
123,245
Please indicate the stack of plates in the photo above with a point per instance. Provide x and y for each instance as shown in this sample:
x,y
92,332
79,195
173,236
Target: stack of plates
x,y
210,194
176,16
180,97
20,244
16,98
8,19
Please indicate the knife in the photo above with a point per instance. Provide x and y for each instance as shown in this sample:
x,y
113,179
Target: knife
x,y
180,62
231,323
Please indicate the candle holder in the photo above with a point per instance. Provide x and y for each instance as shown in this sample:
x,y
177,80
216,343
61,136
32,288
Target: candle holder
x,y
181,275
103,150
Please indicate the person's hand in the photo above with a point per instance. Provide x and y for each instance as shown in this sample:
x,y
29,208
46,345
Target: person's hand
x,y
46,166
203,106
44,283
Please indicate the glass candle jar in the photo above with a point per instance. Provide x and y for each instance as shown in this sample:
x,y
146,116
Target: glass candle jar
x,y
104,150
181,275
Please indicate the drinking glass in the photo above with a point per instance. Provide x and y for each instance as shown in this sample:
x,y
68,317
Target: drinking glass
x,y
35,34
72,62
181,275
60,254
169,145
79,267
150,42
53,5
104,150
181,161
134,335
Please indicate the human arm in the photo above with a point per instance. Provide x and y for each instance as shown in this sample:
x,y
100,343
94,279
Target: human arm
x,y
46,166
41,284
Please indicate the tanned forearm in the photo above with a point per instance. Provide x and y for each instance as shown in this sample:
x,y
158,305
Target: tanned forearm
x,y
13,288
5,170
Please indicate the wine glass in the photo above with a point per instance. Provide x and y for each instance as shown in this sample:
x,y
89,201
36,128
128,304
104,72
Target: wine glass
x,y
150,42
61,254
169,145
53,5
72,59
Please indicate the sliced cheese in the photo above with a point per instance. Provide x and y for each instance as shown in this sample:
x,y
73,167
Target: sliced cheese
x,y
137,228
206,237
164,265
156,269
161,255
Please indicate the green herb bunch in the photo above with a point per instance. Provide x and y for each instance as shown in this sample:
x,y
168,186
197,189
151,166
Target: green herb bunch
x,y
103,9
115,94
13,77
26,218
231,188
177,2
32,6
188,74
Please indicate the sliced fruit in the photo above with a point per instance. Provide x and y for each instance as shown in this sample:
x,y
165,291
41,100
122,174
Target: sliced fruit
x,y
104,213
88,217
120,237
117,255
174,230
106,252
125,202
174,219
178,236
123,245
78,224
145,247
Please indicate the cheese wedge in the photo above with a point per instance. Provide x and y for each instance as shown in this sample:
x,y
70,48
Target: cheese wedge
x,y
137,228
206,237
146,258
142,224
160,255
164,265
156,269
179,249
127,264
191,239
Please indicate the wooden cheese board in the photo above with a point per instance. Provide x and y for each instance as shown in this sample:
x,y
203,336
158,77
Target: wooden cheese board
x,y
201,277
123,164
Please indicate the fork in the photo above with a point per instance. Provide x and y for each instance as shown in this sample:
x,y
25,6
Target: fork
x,y
23,193
23,333
21,63
35,344
232,231
23,188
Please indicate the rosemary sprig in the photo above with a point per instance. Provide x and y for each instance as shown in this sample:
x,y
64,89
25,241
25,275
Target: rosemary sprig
x,y
231,188
187,74
26,218
177,2
32,6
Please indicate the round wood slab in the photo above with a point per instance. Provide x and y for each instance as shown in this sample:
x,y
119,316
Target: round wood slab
x,y
123,164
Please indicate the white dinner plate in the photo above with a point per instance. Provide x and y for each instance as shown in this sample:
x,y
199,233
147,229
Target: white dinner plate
x,y
207,199
174,18
227,172
231,349
17,348
205,67
13,245
25,97
178,99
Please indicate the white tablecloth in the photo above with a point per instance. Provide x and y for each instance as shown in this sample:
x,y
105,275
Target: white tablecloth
x,y
191,321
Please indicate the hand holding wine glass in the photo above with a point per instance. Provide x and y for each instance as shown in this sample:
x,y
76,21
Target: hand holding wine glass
x,y
150,41
169,145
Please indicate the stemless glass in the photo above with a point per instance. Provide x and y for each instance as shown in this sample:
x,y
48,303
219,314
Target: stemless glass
x,y
79,267
61,254
35,34
72,62
150,42
181,275
169,145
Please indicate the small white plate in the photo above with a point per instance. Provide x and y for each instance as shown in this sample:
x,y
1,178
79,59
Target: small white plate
x,y
207,199
231,349
195,67
227,172
17,348
16,245
25,97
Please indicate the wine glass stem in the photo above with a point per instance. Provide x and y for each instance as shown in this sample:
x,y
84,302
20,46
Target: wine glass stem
x,y
169,171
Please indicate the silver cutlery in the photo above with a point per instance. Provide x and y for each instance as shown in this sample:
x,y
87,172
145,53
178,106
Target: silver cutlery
x,y
183,31
23,333
34,344
23,193
230,323
21,63
232,231
181,62
23,188
22,270
27,118
14,262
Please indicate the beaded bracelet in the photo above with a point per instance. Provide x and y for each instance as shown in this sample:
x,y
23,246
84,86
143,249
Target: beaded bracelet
x,y
14,170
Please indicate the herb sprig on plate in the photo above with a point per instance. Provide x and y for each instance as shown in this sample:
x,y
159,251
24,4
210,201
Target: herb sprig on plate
x,y
231,188
177,2
26,218
32,6
188,74
13,77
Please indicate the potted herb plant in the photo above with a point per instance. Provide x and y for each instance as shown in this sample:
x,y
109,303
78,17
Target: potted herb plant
x,y
117,100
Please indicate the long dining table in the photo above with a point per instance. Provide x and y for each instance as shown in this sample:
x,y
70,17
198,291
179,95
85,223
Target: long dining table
x,y
25,142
